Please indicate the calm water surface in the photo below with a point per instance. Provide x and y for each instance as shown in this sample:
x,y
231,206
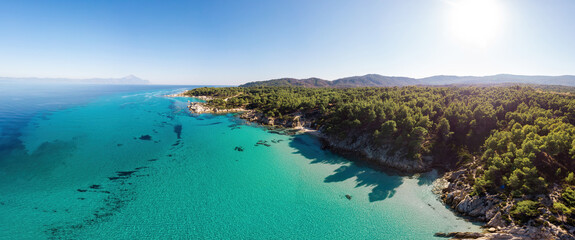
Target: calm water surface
x,y
125,162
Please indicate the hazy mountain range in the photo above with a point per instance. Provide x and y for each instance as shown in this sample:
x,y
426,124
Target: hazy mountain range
x,y
375,80
131,79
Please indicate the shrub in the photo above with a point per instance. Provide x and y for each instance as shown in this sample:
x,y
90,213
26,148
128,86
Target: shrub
x,y
561,208
569,196
525,210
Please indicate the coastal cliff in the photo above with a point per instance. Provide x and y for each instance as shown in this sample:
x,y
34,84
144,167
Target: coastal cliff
x,y
360,145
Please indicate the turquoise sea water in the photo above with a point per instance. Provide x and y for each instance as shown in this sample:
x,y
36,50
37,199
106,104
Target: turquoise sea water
x,y
128,163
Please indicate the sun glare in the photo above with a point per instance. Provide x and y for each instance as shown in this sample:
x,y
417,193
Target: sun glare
x,y
476,22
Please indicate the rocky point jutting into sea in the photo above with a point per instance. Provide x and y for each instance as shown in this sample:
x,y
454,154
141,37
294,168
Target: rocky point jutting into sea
x,y
356,146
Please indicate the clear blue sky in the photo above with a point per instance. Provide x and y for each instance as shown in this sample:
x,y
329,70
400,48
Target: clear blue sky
x,y
236,41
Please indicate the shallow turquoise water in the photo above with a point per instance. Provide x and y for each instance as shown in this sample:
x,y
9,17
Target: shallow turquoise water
x,y
87,171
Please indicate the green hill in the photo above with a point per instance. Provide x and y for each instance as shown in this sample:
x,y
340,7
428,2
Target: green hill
x,y
375,80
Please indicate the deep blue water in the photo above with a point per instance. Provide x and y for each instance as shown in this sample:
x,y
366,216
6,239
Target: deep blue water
x,y
126,162
19,102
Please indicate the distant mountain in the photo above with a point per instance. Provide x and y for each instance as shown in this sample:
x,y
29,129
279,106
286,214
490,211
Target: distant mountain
x,y
131,79
566,80
375,80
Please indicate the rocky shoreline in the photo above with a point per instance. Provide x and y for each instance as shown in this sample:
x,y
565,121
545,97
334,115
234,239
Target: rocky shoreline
x,y
296,123
359,146
454,188
200,107
455,191
182,94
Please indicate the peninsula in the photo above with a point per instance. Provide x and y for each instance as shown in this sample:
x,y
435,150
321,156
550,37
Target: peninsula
x,y
506,151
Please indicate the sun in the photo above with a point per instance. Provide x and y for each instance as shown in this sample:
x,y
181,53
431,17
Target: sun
x,y
476,22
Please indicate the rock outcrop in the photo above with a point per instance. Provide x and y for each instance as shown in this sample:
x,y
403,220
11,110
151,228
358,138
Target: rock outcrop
x,y
455,190
182,94
200,107
291,121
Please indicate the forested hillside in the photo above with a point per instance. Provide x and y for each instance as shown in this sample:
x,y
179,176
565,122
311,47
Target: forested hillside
x,y
519,141
376,80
